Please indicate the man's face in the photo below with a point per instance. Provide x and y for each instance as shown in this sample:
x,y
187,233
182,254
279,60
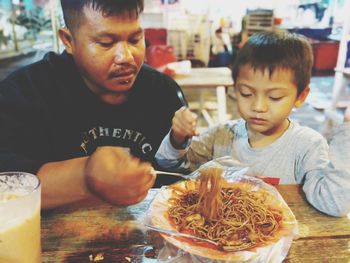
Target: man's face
x,y
109,52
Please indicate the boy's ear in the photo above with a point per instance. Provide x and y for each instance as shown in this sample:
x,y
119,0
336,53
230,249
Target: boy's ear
x,y
302,97
67,39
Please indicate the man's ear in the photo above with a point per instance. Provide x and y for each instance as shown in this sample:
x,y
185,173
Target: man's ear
x,y
67,39
302,97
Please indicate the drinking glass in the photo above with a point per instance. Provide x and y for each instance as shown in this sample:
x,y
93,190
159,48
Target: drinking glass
x,y
20,218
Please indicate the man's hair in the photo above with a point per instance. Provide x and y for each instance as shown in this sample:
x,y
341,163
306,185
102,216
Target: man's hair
x,y
276,50
73,9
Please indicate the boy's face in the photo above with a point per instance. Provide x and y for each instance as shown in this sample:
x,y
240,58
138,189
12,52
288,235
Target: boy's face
x,y
265,101
109,52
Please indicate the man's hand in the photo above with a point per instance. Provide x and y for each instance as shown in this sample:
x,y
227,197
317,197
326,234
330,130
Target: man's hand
x,y
347,114
184,126
117,177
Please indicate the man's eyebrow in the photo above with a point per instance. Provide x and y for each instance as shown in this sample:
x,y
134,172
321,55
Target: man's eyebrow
x,y
108,34
105,34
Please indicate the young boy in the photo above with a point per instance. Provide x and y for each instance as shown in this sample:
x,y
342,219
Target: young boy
x,y
272,75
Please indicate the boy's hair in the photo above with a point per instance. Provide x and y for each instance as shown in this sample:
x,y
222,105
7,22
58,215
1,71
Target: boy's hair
x,y
272,50
73,9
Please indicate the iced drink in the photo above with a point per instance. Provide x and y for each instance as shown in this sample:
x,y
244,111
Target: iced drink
x,y
19,218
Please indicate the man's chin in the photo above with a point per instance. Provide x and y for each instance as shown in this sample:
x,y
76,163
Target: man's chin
x,y
114,99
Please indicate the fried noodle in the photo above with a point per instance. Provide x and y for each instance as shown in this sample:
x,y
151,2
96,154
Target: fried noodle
x,y
234,218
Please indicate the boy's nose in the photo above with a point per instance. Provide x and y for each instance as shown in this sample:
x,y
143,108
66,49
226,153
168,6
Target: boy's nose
x,y
123,53
260,105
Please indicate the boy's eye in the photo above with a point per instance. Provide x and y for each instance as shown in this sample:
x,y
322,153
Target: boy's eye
x,y
243,94
276,98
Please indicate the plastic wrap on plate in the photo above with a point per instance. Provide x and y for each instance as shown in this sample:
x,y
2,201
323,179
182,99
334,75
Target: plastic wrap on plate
x,y
180,247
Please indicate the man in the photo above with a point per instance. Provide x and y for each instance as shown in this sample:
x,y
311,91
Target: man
x,y
83,120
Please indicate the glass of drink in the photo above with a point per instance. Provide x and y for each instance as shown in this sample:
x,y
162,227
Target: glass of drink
x,y
19,218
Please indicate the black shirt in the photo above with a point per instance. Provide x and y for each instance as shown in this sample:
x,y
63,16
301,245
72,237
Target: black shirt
x,y
47,113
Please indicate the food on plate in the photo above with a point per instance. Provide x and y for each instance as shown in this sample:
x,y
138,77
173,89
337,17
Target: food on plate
x,y
227,213
244,218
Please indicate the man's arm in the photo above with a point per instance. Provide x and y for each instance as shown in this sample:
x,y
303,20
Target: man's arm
x,y
110,174
63,182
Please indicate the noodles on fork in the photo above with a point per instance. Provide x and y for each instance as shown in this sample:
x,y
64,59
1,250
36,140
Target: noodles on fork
x,y
210,201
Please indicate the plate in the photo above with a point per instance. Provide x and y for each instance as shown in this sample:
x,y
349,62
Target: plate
x,y
277,246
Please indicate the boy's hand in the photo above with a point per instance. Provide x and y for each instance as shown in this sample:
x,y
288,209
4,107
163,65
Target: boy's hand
x,y
347,114
116,177
184,126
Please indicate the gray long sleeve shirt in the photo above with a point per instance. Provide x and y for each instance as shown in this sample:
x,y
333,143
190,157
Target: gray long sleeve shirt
x,y
300,156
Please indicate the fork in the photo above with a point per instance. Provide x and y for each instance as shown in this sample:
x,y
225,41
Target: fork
x,y
189,176
172,173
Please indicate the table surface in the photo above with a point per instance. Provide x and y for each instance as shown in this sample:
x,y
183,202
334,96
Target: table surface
x,y
80,231
206,78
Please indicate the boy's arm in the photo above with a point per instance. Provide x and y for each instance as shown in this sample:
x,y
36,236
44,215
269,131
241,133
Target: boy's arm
x,y
327,173
214,142
197,151
175,145
184,126
170,157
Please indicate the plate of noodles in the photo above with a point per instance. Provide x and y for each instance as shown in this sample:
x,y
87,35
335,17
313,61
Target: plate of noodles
x,y
246,218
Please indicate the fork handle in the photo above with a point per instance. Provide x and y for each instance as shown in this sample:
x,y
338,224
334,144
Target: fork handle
x,y
170,173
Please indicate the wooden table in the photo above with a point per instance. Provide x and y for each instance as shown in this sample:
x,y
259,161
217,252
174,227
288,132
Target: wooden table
x,y
76,232
208,78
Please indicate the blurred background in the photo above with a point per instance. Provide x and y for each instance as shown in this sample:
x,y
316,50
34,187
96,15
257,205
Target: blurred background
x,y
208,33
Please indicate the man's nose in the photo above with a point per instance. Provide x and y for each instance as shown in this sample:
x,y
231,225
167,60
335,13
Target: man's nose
x,y
260,104
123,53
